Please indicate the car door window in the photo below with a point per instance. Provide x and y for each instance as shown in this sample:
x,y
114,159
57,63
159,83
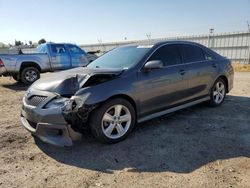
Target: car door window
x,y
192,53
58,49
168,54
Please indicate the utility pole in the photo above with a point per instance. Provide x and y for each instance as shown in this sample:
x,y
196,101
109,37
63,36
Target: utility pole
x,y
248,25
100,42
211,31
149,37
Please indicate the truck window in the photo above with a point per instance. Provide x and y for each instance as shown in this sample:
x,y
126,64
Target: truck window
x,y
58,48
42,49
75,49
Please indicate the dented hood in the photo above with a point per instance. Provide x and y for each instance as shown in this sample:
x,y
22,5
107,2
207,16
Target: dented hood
x,y
70,81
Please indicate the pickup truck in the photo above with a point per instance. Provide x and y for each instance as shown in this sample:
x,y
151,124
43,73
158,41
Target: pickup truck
x,y
26,68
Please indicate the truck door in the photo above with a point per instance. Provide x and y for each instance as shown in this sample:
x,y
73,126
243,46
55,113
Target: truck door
x,y
78,56
60,57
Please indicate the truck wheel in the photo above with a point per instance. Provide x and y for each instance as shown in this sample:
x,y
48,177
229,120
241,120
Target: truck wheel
x,y
16,77
113,121
29,75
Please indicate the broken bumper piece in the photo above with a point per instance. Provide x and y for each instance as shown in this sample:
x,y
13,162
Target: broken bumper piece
x,y
55,134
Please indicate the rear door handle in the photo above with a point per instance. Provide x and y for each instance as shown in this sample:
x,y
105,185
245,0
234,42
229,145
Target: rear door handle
x,y
182,72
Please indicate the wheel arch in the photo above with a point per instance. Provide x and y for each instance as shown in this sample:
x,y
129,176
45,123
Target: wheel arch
x,y
30,64
126,97
224,78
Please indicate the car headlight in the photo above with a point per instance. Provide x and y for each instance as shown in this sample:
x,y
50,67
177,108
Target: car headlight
x,y
57,103
76,102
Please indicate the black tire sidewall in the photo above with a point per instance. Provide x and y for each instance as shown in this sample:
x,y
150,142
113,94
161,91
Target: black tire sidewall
x,y
23,79
212,102
95,122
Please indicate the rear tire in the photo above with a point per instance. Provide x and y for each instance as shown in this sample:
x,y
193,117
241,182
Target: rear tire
x,y
29,75
218,93
113,121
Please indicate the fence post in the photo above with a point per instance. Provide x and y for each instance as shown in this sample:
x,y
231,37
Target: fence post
x,y
248,61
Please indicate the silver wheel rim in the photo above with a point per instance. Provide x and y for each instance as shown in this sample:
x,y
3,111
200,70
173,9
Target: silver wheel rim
x,y
30,75
116,121
219,92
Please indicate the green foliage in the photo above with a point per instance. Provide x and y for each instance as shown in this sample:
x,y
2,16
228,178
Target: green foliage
x,y
41,41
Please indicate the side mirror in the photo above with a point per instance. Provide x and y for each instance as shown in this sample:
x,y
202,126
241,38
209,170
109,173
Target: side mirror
x,y
155,64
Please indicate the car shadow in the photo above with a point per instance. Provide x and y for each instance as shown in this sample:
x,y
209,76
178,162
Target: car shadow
x,y
16,86
180,142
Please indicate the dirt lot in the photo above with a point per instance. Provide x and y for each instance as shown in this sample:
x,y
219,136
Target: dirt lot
x,y
195,147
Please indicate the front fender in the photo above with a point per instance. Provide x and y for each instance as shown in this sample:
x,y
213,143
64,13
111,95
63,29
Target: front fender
x,y
102,92
87,99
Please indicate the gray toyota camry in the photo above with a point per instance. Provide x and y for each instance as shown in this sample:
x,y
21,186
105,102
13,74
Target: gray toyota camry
x,y
125,86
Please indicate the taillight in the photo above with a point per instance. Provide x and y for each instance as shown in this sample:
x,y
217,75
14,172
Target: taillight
x,y
1,63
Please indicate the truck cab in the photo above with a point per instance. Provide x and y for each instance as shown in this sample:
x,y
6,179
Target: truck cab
x,y
64,56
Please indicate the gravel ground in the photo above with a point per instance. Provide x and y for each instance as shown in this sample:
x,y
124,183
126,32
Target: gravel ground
x,y
195,147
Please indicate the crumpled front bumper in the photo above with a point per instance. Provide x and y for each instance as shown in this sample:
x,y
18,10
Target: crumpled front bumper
x,y
48,125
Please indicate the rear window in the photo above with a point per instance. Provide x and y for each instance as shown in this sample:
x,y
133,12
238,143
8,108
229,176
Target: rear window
x,y
192,53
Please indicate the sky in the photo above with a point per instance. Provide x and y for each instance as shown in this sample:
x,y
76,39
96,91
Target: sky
x,y
93,21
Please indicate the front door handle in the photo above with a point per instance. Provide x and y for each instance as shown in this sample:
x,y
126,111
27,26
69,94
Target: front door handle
x,y
182,72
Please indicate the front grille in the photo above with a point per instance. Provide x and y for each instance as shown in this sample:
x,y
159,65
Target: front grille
x,y
36,100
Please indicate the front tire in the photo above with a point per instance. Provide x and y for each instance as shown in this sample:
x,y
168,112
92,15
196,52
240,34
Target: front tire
x,y
29,75
218,93
113,121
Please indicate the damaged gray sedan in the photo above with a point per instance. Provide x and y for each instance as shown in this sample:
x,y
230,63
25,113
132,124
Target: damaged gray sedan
x,y
127,85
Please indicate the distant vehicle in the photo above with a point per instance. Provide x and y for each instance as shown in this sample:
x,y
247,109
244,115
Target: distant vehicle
x,y
50,57
91,55
126,85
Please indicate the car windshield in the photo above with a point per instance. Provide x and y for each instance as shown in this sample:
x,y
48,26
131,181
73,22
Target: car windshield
x,y
120,58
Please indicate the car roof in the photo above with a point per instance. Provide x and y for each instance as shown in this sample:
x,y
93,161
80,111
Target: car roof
x,y
61,43
176,42
157,44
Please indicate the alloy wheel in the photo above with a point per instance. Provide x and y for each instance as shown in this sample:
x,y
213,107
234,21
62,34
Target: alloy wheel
x,y
219,92
116,121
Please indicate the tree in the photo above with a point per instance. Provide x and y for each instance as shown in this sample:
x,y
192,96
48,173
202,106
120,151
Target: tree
x,y
18,43
30,42
41,41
